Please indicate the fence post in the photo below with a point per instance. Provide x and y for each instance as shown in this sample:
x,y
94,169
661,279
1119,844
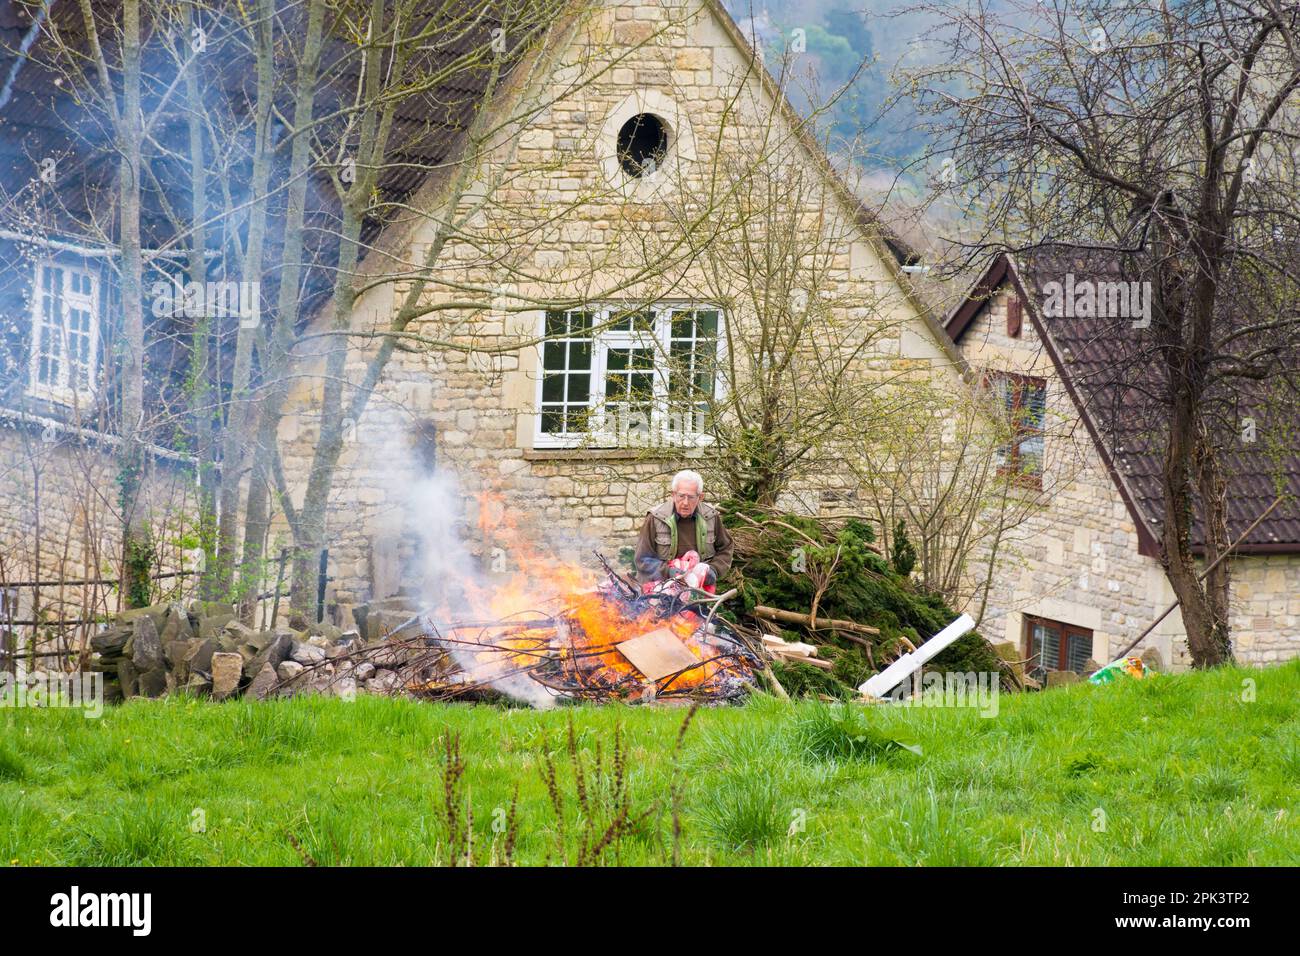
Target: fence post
x,y
320,584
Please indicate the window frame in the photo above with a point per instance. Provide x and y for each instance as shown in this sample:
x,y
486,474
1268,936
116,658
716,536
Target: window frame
x,y
1012,465
604,339
63,391
1064,633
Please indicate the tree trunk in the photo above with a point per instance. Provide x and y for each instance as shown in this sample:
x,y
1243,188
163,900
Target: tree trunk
x,y
201,395
238,437
276,353
137,549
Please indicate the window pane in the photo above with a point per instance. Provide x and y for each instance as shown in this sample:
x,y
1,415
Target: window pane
x,y
1031,456
553,388
1079,651
1046,648
552,420
579,388
640,321
576,419
555,323
553,357
690,374
706,323
580,355
1035,402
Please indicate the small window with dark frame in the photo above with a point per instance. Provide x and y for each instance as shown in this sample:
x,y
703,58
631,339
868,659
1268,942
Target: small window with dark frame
x,y
1023,399
642,145
1055,646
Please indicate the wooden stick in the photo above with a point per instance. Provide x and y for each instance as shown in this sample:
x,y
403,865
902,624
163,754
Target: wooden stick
x,y
793,617
814,661
772,682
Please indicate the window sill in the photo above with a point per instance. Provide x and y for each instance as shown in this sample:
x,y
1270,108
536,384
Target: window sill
x,y
1029,482
609,454
62,396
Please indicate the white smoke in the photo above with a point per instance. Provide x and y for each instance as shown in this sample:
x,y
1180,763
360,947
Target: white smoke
x,y
455,583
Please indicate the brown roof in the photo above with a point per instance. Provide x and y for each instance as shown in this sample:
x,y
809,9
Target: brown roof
x,y
1112,373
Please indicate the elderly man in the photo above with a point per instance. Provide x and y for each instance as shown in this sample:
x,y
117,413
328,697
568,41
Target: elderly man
x,y
682,524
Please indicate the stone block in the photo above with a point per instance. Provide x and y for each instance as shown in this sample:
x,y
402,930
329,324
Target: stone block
x,y
274,654
213,627
632,32
147,649
227,670
126,677
199,655
264,683
153,683
1151,658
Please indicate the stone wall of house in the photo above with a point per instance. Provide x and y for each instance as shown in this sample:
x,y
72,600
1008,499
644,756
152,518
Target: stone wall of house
x,y
1075,559
1266,608
59,519
444,412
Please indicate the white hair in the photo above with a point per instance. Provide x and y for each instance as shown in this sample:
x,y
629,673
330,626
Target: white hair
x,y
692,476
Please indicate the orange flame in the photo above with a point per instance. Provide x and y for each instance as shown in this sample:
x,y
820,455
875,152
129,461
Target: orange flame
x,y
597,620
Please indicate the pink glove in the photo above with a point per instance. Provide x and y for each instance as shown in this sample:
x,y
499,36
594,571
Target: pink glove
x,y
699,576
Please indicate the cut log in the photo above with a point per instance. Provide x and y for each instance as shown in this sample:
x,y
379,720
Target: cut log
x,y
812,661
804,620
792,652
791,648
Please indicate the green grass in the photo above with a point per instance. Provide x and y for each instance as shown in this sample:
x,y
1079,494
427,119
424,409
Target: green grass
x,y
1175,770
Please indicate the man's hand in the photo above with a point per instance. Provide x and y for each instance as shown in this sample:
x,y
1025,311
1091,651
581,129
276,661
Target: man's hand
x,y
651,566
704,574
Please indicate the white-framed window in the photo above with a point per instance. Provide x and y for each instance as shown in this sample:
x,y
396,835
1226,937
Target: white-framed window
x,y
65,333
612,376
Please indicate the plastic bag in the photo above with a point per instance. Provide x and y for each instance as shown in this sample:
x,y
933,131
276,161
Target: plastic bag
x,y
1124,667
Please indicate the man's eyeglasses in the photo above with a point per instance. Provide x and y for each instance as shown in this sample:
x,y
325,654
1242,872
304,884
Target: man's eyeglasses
x,y
681,497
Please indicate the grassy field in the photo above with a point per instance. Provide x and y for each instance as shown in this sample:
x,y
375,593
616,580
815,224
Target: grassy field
x,y
1175,770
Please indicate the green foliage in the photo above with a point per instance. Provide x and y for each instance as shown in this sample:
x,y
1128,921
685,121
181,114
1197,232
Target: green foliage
x,y
804,680
745,812
842,732
135,573
903,557
12,766
784,567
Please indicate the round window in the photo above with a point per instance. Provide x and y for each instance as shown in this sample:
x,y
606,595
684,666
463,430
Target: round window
x,y
642,144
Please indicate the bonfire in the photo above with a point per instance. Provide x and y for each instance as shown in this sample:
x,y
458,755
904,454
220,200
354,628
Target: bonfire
x,y
614,641
551,630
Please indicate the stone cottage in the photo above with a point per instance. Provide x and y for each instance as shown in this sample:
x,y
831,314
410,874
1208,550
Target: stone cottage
x,y
646,103
1082,577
